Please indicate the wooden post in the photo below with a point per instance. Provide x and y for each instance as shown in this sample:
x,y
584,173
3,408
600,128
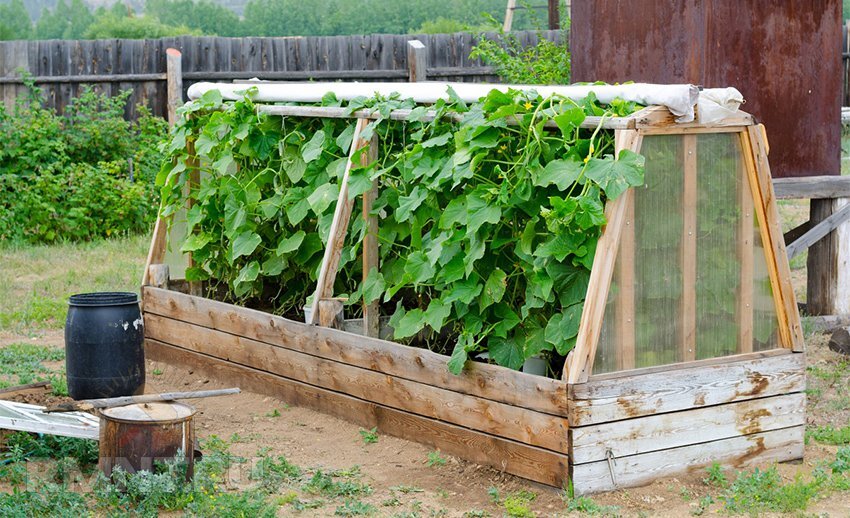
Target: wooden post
x,y
822,264
842,236
554,15
174,82
159,276
195,287
417,61
625,353
579,362
371,251
331,313
509,16
339,228
746,256
689,251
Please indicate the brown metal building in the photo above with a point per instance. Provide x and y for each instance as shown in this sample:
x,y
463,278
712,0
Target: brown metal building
x,y
783,55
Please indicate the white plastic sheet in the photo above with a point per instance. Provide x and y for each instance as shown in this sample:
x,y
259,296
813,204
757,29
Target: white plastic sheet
x,y
679,99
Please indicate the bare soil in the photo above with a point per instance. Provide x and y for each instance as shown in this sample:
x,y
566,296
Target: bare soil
x,y
398,469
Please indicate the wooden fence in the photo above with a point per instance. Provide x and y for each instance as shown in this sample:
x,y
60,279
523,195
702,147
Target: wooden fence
x,y
61,67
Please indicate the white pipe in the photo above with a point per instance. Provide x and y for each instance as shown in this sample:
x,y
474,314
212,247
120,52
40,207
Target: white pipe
x,y
679,99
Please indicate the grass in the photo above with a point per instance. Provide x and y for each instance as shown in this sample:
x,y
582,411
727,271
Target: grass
x,y
36,281
829,435
22,363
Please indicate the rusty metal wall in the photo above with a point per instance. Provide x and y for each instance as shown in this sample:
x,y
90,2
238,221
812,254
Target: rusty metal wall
x,y
783,55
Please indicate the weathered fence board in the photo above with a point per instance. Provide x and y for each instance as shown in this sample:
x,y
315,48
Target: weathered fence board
x,y
60,67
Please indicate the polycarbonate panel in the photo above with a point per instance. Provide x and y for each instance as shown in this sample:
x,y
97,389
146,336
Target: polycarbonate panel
x,y
176,260
690,279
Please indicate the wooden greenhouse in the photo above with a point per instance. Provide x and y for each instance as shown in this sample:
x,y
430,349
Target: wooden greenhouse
x,y
689,348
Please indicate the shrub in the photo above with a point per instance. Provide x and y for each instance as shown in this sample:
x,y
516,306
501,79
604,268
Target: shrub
x,y
547,63
69,176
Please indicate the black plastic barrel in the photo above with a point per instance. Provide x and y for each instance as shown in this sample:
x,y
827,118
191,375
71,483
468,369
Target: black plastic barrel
x,y
104,345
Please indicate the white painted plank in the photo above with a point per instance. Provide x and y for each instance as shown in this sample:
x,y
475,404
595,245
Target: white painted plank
x,y
626,397
31,418
738,452
665,431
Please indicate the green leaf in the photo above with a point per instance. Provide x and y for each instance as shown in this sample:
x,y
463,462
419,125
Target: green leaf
x,y
592,213
494,288
359,182
419,267
479,212
459,357
343,140
409,203
410,324
561,245
455,212
506,352
569,120
437,313
474,252
248,273
323,197
291,243
562,327
313,148
526,241
463,291
244,244
225,165
439,140
561,173
507,318
196,242
293,165
374,285
615,176
274,265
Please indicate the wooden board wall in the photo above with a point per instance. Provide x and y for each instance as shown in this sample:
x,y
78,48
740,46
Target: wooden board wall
x,y
519,415
629,430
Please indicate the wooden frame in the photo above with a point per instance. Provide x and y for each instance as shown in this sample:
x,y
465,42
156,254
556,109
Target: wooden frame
x,y
596,432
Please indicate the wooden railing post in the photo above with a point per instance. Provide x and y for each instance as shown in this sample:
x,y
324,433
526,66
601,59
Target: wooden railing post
x,y
417,61
174,81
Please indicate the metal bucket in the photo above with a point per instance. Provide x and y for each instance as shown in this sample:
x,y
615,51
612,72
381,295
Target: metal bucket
x,y
137,437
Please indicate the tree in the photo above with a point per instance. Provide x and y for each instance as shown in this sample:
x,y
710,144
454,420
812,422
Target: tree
x,y
15,23
68,22
133,28
203,15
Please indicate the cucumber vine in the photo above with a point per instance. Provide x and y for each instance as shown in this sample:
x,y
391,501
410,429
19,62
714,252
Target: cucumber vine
x,y
489,218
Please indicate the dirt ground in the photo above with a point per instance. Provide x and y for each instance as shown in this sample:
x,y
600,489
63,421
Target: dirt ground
x,y
398,469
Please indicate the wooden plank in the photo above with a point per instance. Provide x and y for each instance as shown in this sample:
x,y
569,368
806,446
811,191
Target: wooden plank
x,y
842,281
688,351
673,430
512,457
655,119
790,329
812,187
331,313
174,83
625,306
371,250
39,387
738,452
675,389
478,379
746,258
417,64
818,231
496,418
579,362
591,122
156,252
339,228
822,263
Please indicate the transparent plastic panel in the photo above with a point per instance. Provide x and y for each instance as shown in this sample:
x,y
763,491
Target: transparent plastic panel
x,y
174,258
691,280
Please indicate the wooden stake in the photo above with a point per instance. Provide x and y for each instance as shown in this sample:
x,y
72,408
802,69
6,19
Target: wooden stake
x,y
417,61
625,336
371,251
174,83
339,228
579,362
111,402
331,313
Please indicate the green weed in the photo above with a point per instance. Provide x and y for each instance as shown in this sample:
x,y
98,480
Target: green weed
x,y
435,459
369,436
764,491
273,413
324,483
272,472
588,506
829,435
716,476
355,508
